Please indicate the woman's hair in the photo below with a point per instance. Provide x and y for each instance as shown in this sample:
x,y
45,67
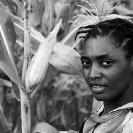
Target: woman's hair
x,y
119,31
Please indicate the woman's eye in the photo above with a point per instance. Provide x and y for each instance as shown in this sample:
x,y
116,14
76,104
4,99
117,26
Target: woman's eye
x,y
86,64
107,63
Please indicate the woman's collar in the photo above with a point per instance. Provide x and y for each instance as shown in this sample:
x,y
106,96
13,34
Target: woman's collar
x,y
126,106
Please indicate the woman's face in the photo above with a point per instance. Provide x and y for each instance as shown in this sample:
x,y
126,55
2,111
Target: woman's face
x,y
105,68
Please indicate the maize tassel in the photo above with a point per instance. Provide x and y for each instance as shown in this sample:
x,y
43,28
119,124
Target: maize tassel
x,y
40,61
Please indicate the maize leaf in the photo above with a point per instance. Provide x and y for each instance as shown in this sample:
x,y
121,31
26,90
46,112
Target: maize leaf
x,y
36,37
7,40
9,4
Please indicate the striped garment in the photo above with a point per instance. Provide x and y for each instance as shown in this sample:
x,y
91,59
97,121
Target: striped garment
x,y
119,120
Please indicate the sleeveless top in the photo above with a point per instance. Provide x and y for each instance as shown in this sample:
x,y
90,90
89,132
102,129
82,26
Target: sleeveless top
x,y
119,120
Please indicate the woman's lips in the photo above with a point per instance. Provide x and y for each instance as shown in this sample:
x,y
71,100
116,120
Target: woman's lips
x,y
98,88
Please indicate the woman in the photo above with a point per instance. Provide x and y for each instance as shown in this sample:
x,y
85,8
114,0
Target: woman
x,y
107,62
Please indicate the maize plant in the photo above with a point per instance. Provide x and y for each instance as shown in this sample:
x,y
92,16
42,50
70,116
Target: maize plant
x,y
39,52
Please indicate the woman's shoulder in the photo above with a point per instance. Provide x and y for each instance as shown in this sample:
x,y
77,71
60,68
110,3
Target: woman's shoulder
x,y
127,124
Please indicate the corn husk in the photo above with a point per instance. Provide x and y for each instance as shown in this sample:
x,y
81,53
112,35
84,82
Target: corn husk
x,y
66,59
40,61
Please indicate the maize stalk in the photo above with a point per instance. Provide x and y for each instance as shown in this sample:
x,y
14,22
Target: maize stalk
x,y
40,61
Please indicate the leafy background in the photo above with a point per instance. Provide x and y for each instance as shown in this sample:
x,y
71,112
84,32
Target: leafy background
x,y
61,100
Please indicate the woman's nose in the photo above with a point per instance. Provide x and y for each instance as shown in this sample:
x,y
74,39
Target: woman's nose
x,y
94,72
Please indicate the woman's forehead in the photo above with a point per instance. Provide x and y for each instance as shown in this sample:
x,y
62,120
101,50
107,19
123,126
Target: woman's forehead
x,y
100,47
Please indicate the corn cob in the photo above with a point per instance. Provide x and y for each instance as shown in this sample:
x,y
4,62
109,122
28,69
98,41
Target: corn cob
x,y
40,61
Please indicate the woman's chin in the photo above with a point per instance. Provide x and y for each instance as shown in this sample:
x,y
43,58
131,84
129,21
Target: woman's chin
x,y
101,97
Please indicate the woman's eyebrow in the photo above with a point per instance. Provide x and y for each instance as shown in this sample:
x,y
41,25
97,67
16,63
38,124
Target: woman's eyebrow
x,y
103,56
98,57
84,57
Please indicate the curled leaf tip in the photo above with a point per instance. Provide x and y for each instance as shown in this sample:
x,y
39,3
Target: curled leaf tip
x,y
57,27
